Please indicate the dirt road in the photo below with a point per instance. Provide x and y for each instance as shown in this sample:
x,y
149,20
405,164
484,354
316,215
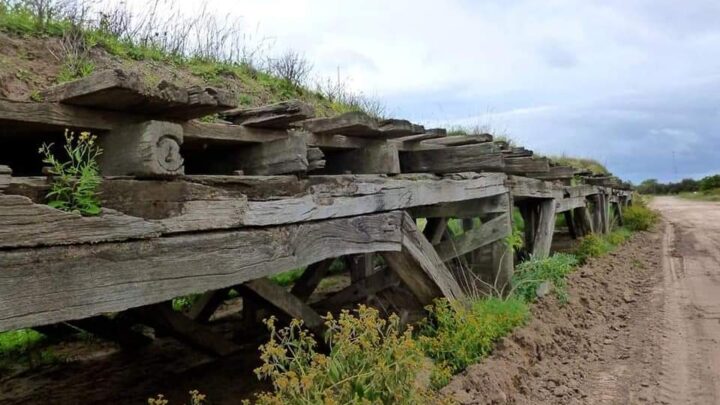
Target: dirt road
x,y
642,326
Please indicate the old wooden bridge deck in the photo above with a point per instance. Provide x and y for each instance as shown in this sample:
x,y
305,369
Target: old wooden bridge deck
x,y
193,207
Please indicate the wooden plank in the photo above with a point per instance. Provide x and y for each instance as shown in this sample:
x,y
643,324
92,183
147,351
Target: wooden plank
x,y
420,267
16,115
340,142
55,284
148,148
521,165
161,316
286,302
353,123
530,214
495,229
570,222
196,132
279,115
581,190
619,214
5,177
377,159
25,224
570,203
463,209
545,229
130,92
583,220
435,229
282,156
310,279
554,173
478,157
460,140
361,266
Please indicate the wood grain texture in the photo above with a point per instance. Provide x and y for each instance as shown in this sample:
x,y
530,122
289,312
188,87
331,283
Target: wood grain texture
x,y
48,285
282,156
570,203
395,128
477,157
25,224
280,298
196,132
355,123
545,229
376,159
495,229
279,115
554,173
420,268
460,140
463,209
522,165
147,148
433,133
5,177
130,92
525,187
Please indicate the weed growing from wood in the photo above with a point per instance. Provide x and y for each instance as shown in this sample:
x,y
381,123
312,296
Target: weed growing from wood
x,y
530,274
75,181
370,361
456,335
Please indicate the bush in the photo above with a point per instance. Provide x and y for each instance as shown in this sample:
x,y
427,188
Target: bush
x,y
638,217
593,245
457,335
531,273
370,361
619,236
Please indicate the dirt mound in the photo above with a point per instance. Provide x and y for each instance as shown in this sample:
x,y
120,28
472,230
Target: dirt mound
x,y
558,355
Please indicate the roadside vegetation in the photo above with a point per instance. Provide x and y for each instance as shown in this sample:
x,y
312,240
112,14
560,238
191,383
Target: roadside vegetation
x,y
705,189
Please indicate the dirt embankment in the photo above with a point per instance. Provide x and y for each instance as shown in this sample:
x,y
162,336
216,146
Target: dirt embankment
x,y
599,347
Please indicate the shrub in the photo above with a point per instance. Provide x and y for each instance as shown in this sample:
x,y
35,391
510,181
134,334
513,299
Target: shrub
x,y
531,273
592,245
457,335
19,340
619,236
76,180
639,217
370,361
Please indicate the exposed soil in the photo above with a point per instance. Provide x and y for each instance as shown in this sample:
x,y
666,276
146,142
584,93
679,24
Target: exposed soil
x,y
641,326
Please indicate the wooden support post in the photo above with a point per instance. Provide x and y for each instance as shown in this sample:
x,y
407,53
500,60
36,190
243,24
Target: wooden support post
x,y
546,227
570,222
529,212
361,266
605,213
163,317
619,213
503,258
148,148
420,267
310,279
286,302
206,305
583,220
489,232
435,229
5,176
597,213
364,288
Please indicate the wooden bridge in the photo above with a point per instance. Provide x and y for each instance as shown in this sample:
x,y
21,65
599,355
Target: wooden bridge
x,y
193,207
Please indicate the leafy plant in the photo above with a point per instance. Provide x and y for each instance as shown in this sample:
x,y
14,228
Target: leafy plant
x,y
75,181
592,245
370,361
639,217
457,334
529,275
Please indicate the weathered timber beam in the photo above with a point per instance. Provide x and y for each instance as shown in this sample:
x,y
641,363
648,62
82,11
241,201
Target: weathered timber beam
x,y
146,148
435,229
128,91
5,177
554,173
279,115
524,187
395,128
475,238
360,289
163,317
206,304
433,133
420,267
583,220
463,209
545,229
567,204
582,190
25,224
286,302
521,165
361,266
375,159
204,133
48,285
483,156
281,156
460,140
196,203
52,115
353,123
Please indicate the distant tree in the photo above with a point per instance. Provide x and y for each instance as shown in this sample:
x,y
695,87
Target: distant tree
x,y
710,182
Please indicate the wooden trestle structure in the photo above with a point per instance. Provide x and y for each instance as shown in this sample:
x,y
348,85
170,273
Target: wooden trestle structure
x,y
193,207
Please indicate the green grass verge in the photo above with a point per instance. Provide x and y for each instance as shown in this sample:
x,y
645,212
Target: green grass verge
x,y
709,195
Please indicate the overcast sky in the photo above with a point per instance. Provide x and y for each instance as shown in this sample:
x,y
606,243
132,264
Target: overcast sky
x,y
634,84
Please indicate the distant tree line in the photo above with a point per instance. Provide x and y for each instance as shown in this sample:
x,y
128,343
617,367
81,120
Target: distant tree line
x,y
652,186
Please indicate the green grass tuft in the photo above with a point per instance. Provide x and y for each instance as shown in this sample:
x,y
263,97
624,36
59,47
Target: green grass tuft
x,y
530,274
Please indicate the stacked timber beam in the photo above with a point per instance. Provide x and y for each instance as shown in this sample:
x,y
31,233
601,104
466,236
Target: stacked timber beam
x,y
196,207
